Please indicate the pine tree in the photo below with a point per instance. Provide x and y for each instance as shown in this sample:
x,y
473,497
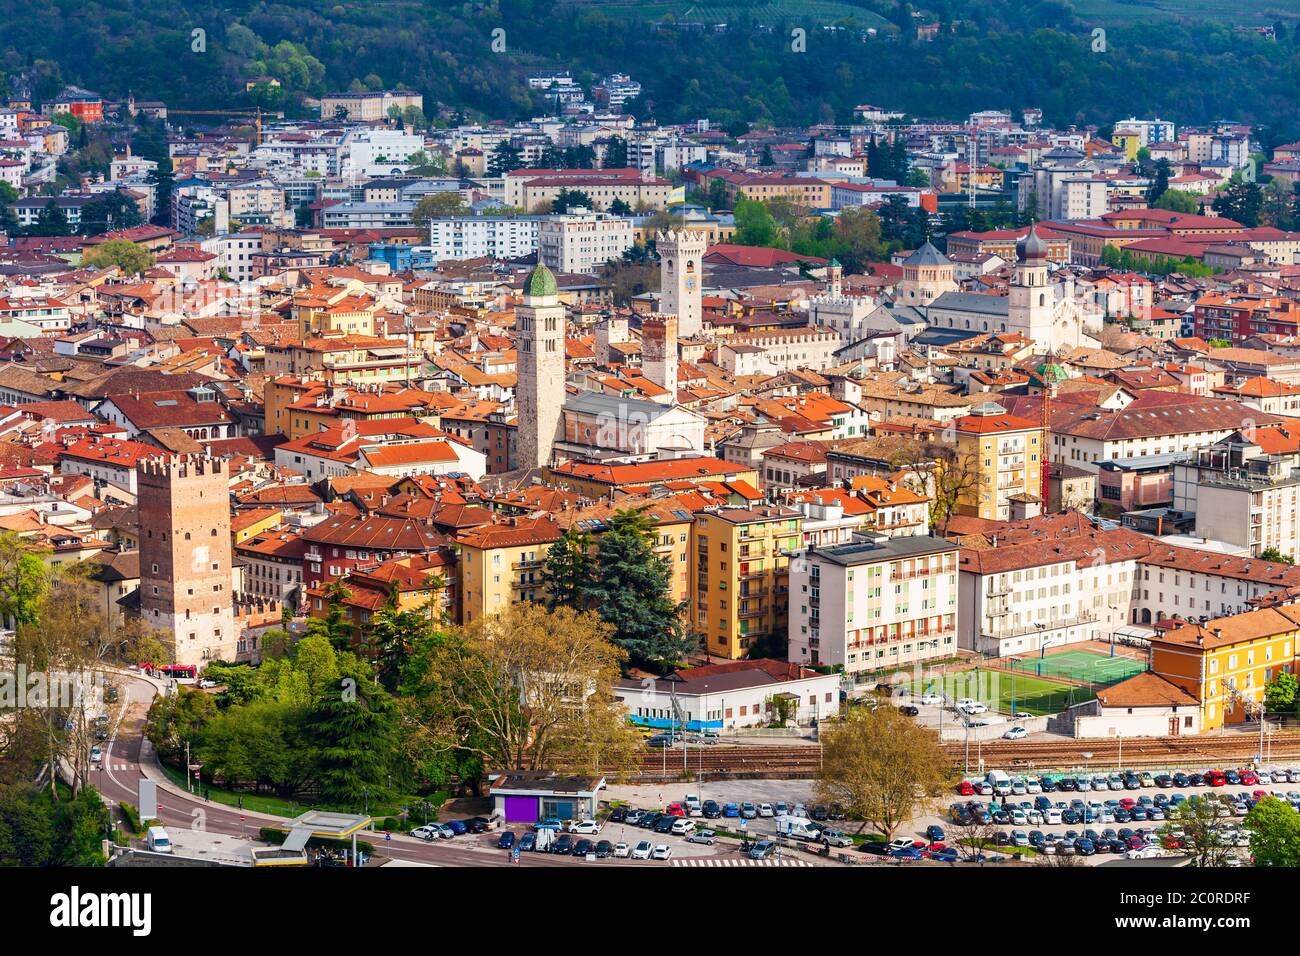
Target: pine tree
x,y
631,592
569,570
353,733
504,159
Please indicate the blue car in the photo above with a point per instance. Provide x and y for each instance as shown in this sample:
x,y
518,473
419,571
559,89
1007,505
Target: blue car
x,y
731,810
527,843
458,827
934,833
505,841
907,853
946,855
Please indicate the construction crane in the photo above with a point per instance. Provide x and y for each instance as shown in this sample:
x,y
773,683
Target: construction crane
x,y
1050,374
255,113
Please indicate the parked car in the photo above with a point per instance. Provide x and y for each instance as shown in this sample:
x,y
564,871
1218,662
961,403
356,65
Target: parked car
x,y
584,826
947,855
707,837
622,851
664,824
762,850
765,810
427,832
748,811
506,840
662,852
681,827
527,843
563,845
731,811
458,827
583,847
618,815
477,825
712,810
1016,733
907,710
642,850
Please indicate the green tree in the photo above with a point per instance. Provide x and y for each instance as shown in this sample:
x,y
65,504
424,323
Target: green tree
x,y
353,731
1177,200
51,221
107,212
755,225
1280,693
123,254
615,153
444,203
569,570
503,159
335,625
1274,827
568,199
632,590
1241,201
1271,553
881,766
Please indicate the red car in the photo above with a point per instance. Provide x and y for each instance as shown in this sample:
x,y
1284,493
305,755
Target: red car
x,y
1135,841
1128,803
1248,778
676,810
1216,778
1259,795
964,789
1172,843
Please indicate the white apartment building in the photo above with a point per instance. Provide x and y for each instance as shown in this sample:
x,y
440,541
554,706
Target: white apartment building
x,y
1241,495
1022,596
476,237
582,241
880,604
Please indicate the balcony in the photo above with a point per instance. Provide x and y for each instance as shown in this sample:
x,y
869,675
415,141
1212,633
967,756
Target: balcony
x,y
754,593
528,565
760,611
749,575
753,551
1055,624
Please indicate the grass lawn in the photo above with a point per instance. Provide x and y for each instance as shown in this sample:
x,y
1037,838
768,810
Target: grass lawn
x,y
278,806
998,690
1100,669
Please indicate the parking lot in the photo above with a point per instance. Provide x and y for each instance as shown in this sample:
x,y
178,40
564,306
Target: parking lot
x,y
1020,810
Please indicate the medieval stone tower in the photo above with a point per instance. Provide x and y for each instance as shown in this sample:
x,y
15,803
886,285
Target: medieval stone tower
x,y
681,277
185,577
539,391
659,353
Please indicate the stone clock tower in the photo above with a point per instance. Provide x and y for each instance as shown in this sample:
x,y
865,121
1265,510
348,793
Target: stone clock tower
x,y
681,277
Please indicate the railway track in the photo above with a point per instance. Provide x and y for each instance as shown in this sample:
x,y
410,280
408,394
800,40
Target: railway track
x,y
786,761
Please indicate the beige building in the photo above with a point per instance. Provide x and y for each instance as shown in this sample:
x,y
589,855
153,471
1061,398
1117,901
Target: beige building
x,y
369,106
582,241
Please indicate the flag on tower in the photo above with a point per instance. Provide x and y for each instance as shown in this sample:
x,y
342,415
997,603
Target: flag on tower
x,y
677,197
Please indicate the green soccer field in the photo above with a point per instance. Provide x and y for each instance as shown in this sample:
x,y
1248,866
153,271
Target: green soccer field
x,y
1001,692
1099,669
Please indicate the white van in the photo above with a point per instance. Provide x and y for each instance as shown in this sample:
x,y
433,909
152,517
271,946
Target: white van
x,y
999,781
158,841
797,828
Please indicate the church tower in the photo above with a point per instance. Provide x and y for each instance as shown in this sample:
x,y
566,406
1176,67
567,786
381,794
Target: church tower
x,y
1029,294
539,394
681,277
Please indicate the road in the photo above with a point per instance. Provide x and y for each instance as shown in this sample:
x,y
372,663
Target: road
x,y
118,780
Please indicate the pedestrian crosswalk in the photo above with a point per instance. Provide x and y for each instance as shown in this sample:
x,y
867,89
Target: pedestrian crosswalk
x,y
717,861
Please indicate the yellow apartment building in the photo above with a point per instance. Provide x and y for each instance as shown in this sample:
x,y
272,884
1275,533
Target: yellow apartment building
x,y
1227,662
1004,451
502,564
742,575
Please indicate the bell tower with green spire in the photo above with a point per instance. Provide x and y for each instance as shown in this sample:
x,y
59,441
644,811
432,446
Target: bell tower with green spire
x,y
539,389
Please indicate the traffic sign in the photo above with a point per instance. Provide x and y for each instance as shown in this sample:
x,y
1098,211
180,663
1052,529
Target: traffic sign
x,y
388,838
